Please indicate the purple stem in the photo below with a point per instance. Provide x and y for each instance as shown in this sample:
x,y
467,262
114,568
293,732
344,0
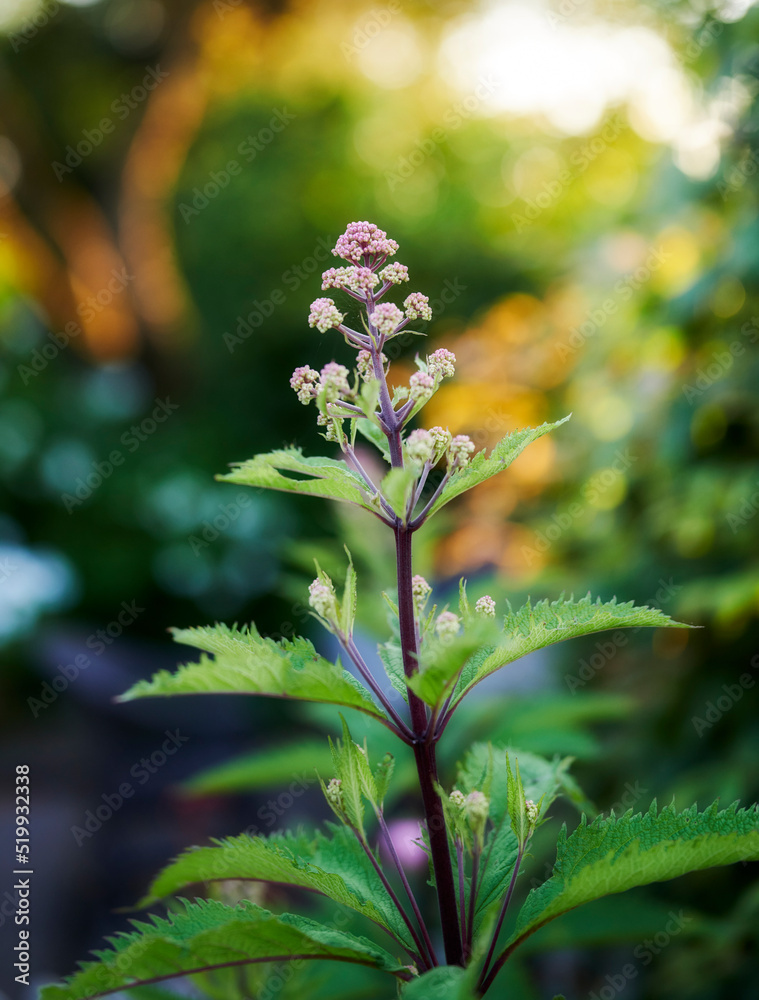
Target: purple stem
x,y
396,902
407,887
487,978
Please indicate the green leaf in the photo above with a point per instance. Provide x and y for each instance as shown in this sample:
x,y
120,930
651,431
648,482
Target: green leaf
x,y
383,774
441,662
613,854
246,663
391,655
208,934
335,866
536,626
396,488
348,604
448,982
356,778
483,466
291,762
541,779
375,435
319,477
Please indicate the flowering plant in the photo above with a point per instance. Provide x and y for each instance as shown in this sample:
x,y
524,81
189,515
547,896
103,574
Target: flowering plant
x,y
476,829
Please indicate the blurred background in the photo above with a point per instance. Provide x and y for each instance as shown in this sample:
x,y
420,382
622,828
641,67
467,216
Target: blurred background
x,y
573,184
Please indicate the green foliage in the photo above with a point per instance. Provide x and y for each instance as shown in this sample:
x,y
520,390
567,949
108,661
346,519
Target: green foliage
x,y
533,627
613,854
334,865
318,477
246,663
540,779
209,934
483,466
392,659
441,662
449,982
351,767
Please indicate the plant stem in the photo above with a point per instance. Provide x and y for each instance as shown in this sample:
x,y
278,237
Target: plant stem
x,y
462,893
426,763
352,650
391,893
469,936
407,887
486,980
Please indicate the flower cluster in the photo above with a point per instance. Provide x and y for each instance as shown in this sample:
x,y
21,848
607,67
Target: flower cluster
x,y
305,382
322,599
360,280
421,385
362,241
420,446
421,591
441,364
324,315
394,274
365,365
386,318
459,450
485,606
447,625
417,306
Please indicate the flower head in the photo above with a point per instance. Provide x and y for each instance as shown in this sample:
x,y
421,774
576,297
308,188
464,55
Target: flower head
x,y
532,811
365,365
441,363
324,315
420,445
459,450
421,591
386,318
394,273
456,798
417,306
334,793
305,382
357,279
421,385
334,381
442,439
477,810
363,239
485,606
447,625
322,599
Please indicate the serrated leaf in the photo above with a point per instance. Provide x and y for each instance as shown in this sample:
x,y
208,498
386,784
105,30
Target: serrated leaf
x,y
262,769
334,865
208,934
483,466
320,477
441,662
611,855
357,780
391,655
246,663
535,626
